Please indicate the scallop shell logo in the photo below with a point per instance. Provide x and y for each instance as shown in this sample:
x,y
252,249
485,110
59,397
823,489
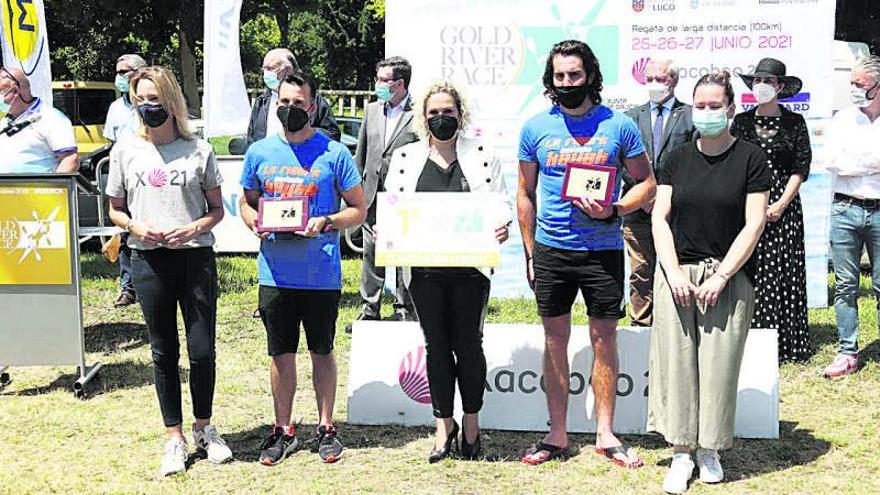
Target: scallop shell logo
x,y
639,70
157,178
413,376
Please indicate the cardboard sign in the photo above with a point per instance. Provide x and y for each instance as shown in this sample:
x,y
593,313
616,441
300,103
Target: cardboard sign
x,y
439,229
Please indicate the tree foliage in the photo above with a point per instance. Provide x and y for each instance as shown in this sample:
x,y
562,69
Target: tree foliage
x,y
327,36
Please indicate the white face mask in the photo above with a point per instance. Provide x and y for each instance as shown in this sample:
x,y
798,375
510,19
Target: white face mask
x,y
859,97
657,91
764,93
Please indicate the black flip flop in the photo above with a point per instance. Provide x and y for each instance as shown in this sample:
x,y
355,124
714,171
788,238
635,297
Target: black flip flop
x,y
610,452
553,452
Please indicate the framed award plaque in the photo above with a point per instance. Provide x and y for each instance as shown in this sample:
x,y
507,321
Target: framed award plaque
x,y
589,182
289,214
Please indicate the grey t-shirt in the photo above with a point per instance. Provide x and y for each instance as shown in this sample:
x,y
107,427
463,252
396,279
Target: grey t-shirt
x,y
164,185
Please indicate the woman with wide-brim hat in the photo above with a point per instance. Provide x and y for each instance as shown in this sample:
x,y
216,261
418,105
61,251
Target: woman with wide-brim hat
x,y
780,276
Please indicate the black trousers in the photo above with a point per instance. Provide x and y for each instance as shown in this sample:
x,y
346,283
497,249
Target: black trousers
x,y
164,278
451,305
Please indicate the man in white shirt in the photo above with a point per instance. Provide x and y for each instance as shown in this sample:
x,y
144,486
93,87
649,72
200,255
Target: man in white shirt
x,y
123,120
665,124
385,128
853,156
122,117
35,137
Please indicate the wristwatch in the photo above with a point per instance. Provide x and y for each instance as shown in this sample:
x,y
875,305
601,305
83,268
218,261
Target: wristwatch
x,y
328,223
614,215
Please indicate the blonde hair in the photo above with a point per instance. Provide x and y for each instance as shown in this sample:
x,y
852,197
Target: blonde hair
x,y
421,120
170,97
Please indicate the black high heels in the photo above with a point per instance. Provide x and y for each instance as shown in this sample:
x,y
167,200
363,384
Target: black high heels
x,y
452,439
470,451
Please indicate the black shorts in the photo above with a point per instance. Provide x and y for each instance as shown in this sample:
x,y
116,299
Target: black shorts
x,y
282,310
559,273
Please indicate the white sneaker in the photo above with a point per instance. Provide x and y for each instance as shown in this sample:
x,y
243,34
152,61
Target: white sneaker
x,y
174,460
208,441
709,463
680,472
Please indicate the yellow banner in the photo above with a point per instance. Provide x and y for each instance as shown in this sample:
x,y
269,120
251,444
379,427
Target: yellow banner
x,y
34,235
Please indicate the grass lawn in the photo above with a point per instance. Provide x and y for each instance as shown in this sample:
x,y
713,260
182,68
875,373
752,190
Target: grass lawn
x,y
51,442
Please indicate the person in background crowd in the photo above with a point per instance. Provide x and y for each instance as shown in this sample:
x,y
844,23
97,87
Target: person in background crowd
x,y
277,65
300,274
853,148
664,123
780,269
122,120
451,302
164,190
708,216
578,244
38,138
385,128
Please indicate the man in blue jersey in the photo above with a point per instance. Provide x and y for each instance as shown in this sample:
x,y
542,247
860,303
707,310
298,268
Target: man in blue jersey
x,y
578,245
300,273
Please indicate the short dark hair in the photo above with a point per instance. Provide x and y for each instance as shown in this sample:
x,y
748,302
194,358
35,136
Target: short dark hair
x,y
299,78
400,68
579,49
719,78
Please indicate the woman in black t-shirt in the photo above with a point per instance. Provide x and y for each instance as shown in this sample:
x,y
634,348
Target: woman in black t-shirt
x,y
450,302
707,219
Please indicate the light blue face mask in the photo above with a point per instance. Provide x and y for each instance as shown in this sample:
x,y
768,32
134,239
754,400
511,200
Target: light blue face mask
x,y
383,92
270,79
121,83
710,123
4,107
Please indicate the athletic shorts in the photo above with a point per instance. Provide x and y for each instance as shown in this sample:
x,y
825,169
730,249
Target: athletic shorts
x,y
282,310
559,273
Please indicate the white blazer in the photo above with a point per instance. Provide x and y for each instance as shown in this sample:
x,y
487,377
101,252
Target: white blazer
x,y
479,165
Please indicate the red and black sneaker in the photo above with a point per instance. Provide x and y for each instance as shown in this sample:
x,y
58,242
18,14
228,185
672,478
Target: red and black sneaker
x,y
328,444
277,446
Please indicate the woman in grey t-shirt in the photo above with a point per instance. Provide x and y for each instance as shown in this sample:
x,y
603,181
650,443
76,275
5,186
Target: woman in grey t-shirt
x,y
164,189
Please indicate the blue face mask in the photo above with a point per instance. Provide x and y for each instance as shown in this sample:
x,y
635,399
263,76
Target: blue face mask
x,y
121,83
4,108
710,123
383,92
271,80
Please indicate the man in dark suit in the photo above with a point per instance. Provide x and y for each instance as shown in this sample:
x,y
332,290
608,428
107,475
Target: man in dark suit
x,y
386,127
278,64
665,123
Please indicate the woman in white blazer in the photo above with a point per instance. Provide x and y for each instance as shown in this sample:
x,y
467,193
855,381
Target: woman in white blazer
x,y
450,302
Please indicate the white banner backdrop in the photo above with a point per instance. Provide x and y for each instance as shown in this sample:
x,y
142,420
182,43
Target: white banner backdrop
x,y
225,102
497,50
26,43
388,383
231,235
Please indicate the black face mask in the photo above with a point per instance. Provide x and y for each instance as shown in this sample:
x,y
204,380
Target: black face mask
x,y
292,118
571,96
443,127
153,115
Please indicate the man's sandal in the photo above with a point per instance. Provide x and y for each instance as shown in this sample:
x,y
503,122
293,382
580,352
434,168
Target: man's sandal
x,y
553,452
610,452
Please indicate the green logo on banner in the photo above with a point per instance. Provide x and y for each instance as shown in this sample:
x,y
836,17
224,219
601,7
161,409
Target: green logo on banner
x,y
603,40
